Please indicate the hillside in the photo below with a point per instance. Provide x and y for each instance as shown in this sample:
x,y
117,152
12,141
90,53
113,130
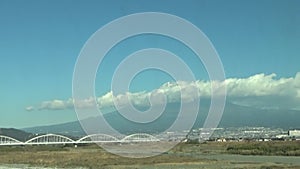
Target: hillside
x,y
15,133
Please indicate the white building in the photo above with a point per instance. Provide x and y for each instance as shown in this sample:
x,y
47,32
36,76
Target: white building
x,y
294,133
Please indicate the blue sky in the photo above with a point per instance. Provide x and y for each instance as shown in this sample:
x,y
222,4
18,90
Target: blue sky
x,y
40,42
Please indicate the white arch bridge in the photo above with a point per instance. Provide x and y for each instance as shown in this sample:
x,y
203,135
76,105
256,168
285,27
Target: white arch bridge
x,y
48,139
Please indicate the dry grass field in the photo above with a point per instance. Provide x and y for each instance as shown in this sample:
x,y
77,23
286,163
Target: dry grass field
x,y
205,155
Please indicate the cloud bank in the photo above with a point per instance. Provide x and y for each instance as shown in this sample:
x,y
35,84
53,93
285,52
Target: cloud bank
x,y
260,90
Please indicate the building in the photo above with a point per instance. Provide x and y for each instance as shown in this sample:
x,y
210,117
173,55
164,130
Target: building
x,y
294,133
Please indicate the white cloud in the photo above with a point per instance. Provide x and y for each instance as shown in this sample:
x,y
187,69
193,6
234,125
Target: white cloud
x,y
56,105
265,91
259,90
260,85
29,108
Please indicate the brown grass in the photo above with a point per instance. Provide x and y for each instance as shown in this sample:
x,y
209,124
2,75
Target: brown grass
x,y
92,156
87,156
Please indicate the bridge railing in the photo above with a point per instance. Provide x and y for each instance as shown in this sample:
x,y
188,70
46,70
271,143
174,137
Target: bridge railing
x,y
94,138
50,139
5,140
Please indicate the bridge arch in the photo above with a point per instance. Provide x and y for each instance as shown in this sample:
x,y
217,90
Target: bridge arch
x,y
50,139
98,138
140,137
5,140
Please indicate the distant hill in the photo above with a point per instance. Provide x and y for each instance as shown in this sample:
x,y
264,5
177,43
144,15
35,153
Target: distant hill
x,y
233,116
68,129
15,133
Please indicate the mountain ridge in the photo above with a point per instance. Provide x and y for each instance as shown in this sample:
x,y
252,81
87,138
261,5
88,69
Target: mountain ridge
x,y
234,116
